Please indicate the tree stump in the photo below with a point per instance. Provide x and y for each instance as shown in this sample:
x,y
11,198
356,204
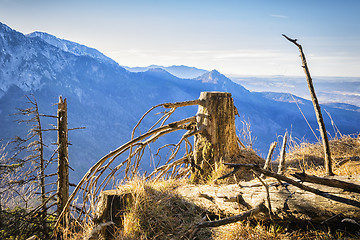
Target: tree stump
x,y
217,141
110,209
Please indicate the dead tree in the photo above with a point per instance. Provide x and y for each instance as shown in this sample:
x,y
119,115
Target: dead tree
x,y
215,141
41,166
317,109
63,159
30,178
38,148
103,172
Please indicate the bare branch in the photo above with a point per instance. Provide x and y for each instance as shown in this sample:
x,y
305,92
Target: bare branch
x,y
182,104
174,126
324,136
267,191
78,128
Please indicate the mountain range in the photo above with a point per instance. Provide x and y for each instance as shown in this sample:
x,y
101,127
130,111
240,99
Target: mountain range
x,y
108,99
329,90
178,71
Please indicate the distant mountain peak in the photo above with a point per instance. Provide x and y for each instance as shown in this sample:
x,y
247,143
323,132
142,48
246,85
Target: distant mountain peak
x,y
214,71
160,72
213,76
156,69
180,71
5,28
71,47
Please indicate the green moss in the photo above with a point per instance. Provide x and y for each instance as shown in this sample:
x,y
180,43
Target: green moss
x,y
204,159
207,151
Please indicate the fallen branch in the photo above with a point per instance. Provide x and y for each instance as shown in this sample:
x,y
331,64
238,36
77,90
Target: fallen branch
x,y
267,192
195,229
351,187
342,161
258,208
291,181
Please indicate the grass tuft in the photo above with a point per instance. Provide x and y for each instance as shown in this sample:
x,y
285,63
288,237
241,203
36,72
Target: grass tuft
x,y
157,212
345,155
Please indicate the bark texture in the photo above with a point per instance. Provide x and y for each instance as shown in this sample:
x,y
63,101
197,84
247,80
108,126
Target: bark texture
x,y
217,141
287,201
63,164
110,209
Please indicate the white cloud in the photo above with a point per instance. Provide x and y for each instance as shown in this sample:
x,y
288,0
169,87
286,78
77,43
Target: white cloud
x,y
251,53
278,16
241,61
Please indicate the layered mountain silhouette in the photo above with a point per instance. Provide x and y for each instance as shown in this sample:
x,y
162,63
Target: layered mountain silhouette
x,y
178,71
108,99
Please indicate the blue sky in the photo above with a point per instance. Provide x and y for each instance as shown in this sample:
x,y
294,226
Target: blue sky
x,y
234,37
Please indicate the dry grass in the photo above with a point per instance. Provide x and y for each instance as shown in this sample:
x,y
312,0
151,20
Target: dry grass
x,y
271,231
308,157
345,153
244,230
157,212
248,155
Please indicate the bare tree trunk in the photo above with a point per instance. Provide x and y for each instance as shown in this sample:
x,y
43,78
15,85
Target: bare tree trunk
x,y
63,162
1,221
217,140
281,168
317,109
42,169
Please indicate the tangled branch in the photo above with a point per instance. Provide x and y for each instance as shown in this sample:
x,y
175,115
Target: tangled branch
x,y
102,172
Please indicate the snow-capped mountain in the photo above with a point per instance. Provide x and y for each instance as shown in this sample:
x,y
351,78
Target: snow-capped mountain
x,y
71,47
108,100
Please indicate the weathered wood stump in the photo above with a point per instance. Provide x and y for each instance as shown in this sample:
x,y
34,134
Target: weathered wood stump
x,y
110,209
217,140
